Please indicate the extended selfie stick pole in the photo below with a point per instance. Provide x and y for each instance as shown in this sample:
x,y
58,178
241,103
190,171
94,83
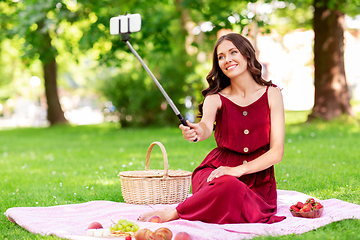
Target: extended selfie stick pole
x,y
126,37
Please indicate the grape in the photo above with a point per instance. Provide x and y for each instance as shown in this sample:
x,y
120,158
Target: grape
x,y
125,226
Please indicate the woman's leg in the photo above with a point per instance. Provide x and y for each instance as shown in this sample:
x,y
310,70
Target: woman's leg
x,y
165,214
219,202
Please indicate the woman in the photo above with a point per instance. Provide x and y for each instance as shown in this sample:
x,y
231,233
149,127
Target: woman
x,y
235,183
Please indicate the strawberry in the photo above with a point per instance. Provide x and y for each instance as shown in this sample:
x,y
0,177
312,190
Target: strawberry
x,y
306,208
318,205
293,208
299,205
310,200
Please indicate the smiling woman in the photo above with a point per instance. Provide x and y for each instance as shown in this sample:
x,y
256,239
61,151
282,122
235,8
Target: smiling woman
x,y
238,46
235,183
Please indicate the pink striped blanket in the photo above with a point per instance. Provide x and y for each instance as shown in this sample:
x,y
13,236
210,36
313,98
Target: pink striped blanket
x,y
70,221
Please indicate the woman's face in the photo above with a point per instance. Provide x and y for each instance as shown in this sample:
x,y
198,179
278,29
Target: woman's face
x,y
231,61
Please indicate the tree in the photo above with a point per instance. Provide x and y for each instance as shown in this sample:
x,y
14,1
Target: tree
x,y
37,23
332,97
170,46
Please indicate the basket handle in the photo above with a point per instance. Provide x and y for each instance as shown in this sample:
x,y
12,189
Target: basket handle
x,y
166,164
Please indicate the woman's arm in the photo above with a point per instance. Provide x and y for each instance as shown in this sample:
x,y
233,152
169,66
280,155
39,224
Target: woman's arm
x,y
204,128
277,139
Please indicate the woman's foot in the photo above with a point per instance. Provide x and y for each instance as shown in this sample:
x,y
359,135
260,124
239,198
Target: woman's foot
x,y
165,214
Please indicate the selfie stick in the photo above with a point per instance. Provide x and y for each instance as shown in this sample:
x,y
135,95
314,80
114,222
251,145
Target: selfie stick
x,y
125,37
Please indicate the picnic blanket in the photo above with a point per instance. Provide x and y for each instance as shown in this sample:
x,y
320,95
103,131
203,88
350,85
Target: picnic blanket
x,y
70,221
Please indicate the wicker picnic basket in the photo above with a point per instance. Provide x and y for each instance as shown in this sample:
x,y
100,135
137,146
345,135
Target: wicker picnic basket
x,y
155,186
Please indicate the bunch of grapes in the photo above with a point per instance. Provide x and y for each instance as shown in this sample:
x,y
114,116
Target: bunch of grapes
x,y
124,226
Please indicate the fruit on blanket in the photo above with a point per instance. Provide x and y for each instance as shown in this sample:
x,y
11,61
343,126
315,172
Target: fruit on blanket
x,y
128,238
309,205
299,205
317,205
163,233
310,200
155,219
294,208
309,209
125,226
182,236
95,225
144,234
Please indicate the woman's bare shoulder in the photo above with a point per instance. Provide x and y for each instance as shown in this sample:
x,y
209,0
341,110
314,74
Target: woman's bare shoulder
x,y
213,100
275,96
274,91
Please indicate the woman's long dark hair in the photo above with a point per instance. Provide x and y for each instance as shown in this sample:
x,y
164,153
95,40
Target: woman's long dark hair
x,y
218,80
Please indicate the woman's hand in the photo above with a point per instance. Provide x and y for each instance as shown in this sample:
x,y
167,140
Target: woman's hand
x,y
221,171
192,132
204,129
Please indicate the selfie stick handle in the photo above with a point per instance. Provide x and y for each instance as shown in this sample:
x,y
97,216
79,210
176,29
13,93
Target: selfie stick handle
x,y
168,99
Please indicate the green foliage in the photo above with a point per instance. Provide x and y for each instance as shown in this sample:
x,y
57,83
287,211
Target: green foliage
x,y
67,165
352,7
290,16
14,74
77,32
6,17
161,43
349,7
37,22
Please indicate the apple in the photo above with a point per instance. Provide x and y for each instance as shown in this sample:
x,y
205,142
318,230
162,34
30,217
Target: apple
x,y
155,219
182,236
95,225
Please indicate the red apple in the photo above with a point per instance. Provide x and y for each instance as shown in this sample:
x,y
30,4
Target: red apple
x,y
182,236
95,225
155,219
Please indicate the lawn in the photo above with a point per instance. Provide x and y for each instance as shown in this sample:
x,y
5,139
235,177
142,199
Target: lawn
x,y
76,164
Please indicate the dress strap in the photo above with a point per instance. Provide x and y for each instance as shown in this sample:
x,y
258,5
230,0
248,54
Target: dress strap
x,y
276,86
267,88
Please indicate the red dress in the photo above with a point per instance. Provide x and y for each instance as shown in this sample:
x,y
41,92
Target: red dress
x,y
242,134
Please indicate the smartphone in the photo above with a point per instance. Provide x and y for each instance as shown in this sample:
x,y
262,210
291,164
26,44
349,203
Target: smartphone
x,y
128,23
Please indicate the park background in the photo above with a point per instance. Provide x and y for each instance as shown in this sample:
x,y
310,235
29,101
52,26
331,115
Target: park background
x,y
60,68
287,59
92,76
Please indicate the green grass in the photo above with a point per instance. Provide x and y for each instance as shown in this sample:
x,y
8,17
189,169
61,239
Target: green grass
x,y
75,164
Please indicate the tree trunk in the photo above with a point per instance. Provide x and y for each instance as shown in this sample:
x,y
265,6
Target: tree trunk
x,y
332,97
55,114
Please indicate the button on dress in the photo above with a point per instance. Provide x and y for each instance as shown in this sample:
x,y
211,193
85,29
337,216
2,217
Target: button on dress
x,y
242,133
